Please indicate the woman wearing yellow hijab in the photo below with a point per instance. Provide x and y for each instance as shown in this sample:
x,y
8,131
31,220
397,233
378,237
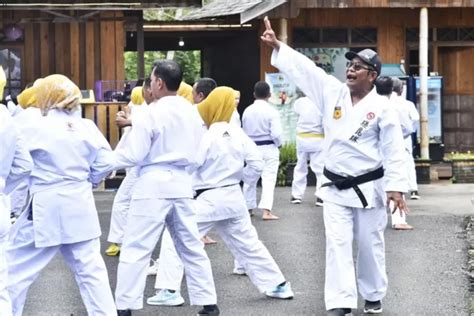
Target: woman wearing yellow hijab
x,y
218,106
68,155
219,201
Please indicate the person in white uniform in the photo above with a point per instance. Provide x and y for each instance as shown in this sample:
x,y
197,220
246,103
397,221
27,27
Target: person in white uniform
x,y
163,141
15,166
362,146
384,86
222,154
140,96
408,108
262,124
309,147
67,153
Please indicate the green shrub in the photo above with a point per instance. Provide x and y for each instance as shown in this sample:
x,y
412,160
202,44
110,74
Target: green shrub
x,y
287,155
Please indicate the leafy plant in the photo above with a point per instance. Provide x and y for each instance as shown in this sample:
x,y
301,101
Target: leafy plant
x,y
459,156
190,62
287,156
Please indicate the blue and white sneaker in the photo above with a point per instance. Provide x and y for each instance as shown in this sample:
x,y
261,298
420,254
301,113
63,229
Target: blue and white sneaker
x,y
281,291
165,297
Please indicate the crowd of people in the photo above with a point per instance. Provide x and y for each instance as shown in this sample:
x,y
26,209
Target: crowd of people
x,y
191,166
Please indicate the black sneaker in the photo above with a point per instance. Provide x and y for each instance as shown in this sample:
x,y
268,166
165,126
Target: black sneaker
x,y
210,310
373,307
295,200
414,195
339,311
124,312
319,202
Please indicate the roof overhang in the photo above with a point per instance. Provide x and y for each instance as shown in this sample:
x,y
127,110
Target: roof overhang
x,y
96,5
247,9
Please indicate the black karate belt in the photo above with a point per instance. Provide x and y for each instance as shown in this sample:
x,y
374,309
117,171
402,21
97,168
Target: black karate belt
x,y
344,183
264,142
201,191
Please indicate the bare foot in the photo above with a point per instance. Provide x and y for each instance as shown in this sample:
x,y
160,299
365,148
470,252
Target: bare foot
x,y
402,227
208,240
267,215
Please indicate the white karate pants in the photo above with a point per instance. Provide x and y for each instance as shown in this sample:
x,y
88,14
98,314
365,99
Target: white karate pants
x,y
120,208
300,173
242,240
145,224
170,269
5,303
83,258
411,172
271,158
366,226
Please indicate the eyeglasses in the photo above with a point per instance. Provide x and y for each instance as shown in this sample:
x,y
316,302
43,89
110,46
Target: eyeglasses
x,y
358,66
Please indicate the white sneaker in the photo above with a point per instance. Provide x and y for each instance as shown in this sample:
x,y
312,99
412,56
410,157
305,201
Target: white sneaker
x,y
153,268
239,271
281,291
165,297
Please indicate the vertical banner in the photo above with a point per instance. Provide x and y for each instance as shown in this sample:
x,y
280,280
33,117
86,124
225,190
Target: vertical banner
x,y
283,96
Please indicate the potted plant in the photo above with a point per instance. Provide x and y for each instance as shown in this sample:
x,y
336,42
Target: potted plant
x,y
462,166
287,164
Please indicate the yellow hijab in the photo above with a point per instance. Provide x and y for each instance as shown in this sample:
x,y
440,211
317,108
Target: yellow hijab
x,y
137,95
27,98
57,92
186,91
3,81
218,106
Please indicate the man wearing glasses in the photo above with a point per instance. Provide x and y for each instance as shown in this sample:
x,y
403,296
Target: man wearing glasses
x,y
364,171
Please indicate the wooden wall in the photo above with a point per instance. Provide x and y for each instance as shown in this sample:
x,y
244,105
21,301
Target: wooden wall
x,y
83,51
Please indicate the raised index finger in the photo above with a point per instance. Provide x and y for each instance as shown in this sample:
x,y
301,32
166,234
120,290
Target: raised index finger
x,y
268,26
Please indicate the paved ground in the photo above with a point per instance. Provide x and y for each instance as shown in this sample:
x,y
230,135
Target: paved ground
x,y
425,266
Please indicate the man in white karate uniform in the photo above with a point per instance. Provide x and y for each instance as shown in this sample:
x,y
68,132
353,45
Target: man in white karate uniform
x,y
15,166
262,124
220,203
67,153
309,147
362,146
162,142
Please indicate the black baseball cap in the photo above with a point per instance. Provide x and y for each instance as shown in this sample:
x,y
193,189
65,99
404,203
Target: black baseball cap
x,y
368,56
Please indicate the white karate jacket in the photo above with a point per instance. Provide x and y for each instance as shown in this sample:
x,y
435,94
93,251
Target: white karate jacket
x,y
221,156
162,142
67,154
262,122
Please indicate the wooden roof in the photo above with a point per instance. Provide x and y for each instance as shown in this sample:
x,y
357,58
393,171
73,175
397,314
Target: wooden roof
x,y
95,5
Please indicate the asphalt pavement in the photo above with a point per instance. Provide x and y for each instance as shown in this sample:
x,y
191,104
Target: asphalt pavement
x,y
426,266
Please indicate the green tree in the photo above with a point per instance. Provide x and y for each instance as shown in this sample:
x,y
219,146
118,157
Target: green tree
x,y
190,61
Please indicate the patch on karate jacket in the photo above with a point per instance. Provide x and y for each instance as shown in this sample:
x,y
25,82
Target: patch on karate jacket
x,y
337,113
226,134
362,127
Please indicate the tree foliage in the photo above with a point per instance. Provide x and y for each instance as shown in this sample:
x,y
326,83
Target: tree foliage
x,y
190,62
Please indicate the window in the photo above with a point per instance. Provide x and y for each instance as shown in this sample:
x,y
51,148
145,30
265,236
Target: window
x,y
335,37
11,61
